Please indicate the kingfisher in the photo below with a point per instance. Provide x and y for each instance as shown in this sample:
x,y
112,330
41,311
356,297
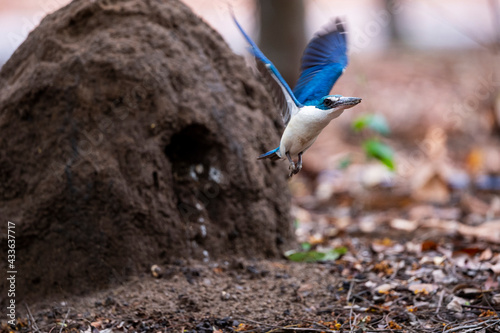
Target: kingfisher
x,y
309,108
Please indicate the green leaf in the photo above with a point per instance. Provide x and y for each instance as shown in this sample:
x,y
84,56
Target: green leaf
x,y
381,152
315,256
306,246
375,122
304,256
334,254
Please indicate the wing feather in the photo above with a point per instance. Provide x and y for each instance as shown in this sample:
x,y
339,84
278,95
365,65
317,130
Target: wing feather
x,y
323,62
281,92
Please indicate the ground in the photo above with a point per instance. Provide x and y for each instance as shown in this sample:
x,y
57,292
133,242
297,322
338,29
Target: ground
x,y
432,283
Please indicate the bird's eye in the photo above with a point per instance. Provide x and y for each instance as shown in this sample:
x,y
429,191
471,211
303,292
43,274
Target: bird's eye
x,y
328,103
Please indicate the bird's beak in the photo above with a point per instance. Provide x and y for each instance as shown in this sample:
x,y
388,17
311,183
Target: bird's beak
x,y
349,101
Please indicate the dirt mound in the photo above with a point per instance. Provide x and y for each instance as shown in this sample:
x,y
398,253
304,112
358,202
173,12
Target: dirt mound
x,y
129,135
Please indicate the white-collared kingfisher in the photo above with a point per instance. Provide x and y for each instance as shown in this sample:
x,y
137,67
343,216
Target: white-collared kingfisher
x,y
309,108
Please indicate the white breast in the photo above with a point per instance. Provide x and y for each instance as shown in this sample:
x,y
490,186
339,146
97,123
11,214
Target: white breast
x,y
304,128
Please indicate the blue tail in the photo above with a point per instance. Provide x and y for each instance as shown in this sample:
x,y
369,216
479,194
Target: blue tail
x,y
273,155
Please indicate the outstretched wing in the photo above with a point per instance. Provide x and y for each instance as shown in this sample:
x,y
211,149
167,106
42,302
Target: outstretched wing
x,y
323,62
288,104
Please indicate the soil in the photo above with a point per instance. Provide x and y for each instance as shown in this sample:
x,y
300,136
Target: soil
x,y
129,134
378,285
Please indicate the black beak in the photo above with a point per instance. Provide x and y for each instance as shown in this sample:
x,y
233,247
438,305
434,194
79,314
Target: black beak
x,y
349,101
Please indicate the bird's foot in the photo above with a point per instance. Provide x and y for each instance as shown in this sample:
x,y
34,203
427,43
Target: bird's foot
x,y
297,169
292,169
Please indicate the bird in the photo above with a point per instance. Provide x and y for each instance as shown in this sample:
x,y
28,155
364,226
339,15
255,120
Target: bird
x,y
309,108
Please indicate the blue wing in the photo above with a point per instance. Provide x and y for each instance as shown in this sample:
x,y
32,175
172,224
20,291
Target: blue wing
x,y
287,101
323,62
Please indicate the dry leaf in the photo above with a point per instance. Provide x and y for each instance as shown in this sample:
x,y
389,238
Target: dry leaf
x,y
495,268
385,288
368,224
469,292
438,276
495,299
489,231
429,245
426,288
486,255
490,283
456,304
405,225
436,260
445,226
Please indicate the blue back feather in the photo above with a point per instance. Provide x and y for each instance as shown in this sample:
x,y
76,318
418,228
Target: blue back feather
x,y
323,62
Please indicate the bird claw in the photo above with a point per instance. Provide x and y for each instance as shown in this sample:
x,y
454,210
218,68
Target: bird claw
x,y
297,169
294,169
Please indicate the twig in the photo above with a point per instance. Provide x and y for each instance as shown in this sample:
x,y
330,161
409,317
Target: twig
x,y
64,321
486,298
285,328
479,325
350,314
440,301
350,290
477,328
33,325
479,307
308,329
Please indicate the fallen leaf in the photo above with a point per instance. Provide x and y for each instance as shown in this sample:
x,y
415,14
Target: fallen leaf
x,y
486,255
489,231
96,324
315,256
471,251
436,260
438,276
469,292
495,268
429,245
404,225
441,225
426,288
385,288
456,304
490,284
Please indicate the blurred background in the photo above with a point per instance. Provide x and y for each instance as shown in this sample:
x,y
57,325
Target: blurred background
x,y
428,73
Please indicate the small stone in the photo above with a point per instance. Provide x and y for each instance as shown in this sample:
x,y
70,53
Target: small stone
x,y
199,169
225,296
156,271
